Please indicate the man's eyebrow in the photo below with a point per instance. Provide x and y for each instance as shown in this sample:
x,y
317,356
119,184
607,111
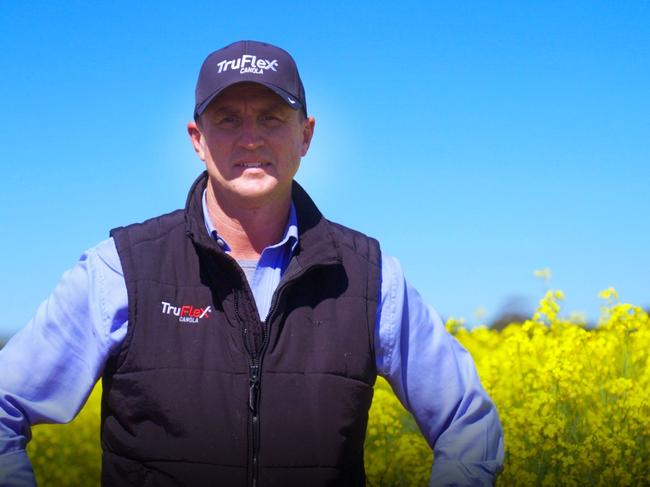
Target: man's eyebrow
x,y
224,109
276,105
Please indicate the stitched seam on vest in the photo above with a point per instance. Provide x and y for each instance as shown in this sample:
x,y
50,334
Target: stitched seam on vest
x,y
162,231
334,374
191,286
157,237
340,229
327,467
200,369
163,460
227,372
124,250
371,304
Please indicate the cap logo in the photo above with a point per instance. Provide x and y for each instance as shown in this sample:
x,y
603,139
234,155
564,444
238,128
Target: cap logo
x,y
248,64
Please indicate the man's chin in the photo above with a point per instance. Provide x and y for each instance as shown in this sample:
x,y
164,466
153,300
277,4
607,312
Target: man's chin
x,y
260,193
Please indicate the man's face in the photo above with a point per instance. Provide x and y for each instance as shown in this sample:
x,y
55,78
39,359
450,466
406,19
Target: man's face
x,y
251,142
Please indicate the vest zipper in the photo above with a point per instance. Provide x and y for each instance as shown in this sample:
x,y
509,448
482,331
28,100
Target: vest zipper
x,y
253,397
255,362
254,372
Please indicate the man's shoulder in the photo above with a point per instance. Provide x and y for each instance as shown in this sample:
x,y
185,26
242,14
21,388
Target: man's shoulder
x,y
356,241
150,229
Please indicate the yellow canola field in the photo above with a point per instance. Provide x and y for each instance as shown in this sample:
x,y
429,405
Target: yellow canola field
x,y
574,404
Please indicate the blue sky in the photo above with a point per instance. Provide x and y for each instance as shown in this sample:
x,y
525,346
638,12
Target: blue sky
x,y
477,141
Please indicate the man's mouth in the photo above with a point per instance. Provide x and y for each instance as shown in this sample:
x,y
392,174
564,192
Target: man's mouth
x,y
253,164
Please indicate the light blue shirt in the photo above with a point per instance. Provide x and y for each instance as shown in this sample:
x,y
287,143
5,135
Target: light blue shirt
x,y
49,368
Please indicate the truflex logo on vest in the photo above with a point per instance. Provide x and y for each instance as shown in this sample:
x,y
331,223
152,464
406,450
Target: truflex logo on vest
x,y
186,313
248,64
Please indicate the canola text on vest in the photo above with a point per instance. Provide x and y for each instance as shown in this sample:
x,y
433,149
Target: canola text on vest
x,y
256,66
186,313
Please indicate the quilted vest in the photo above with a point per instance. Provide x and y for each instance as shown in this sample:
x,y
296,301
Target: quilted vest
x,y
203,393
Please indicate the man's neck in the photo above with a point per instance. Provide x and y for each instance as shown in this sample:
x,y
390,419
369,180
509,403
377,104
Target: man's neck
x,y
248,230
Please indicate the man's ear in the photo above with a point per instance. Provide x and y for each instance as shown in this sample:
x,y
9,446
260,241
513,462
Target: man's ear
x,y
196,137
307,134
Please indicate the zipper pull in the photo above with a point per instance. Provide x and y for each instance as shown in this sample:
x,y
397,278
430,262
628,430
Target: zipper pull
x,y
254,385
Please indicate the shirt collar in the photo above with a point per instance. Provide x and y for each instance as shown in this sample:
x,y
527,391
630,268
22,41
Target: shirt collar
x,y
290,236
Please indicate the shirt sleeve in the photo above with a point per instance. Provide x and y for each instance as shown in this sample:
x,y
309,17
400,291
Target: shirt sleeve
x,y
435,379
51,365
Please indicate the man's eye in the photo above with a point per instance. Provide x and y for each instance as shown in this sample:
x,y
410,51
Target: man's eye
x,y
270,118
227,120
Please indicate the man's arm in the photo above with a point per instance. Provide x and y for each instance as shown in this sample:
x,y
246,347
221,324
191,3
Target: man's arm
x,y
434,377
50,367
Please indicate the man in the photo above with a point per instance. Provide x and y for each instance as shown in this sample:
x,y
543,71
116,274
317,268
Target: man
x,y
239,339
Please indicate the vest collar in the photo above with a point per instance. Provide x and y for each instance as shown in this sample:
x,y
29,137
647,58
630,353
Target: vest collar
x,y
316,244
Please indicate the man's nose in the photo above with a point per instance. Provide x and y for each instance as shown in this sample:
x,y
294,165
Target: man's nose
x,y
251,136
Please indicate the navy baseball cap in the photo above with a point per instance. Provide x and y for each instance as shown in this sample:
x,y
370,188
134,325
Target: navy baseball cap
x,y
250,61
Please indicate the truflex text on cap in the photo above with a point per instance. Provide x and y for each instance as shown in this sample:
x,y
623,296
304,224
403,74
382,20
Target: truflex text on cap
x,y
249,61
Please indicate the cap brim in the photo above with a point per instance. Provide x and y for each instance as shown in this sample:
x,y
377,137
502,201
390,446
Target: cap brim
x,y
289,99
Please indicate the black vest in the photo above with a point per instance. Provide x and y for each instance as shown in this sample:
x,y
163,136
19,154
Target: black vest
x,y
202,393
